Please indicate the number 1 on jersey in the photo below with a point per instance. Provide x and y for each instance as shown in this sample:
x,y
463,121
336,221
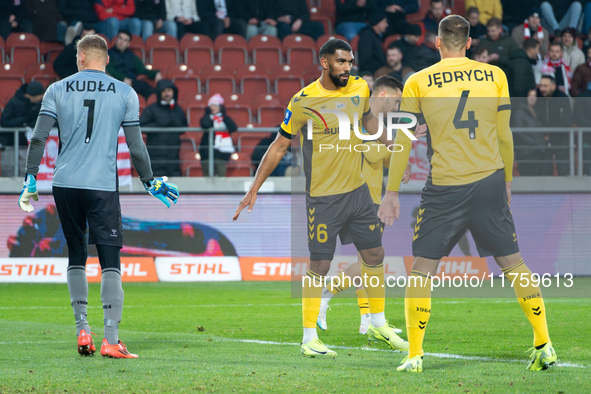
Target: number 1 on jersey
x,y
472,123
89,119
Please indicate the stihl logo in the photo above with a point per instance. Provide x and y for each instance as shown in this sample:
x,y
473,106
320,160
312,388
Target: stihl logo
x,y
263,269
131,269
197,268
28,270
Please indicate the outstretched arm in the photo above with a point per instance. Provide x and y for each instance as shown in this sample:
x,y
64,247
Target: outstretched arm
x,y
37,145
269,162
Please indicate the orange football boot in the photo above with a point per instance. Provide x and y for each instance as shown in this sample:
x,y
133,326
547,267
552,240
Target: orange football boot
x,y
115,351
85,343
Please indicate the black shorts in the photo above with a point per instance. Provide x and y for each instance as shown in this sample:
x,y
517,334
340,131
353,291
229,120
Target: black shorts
x,y
352,216
446,212
100,208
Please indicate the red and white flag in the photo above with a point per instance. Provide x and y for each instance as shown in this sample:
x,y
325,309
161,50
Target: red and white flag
x,y
47,165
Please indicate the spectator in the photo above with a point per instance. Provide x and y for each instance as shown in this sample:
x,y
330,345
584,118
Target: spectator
x,y
553,110
231,15
164,147
530,147
117,15
498,44
215,117
256,13
532,50
14,18
408,44
65,63
435,14
351,16
371,54
571,53
80,12
488,9
152,14
582,118
48,23
20,111
184,13
481,54
582,77
367,77
520,77
396,11
394,64
532,28
477,29
515,12
555,65
125,66
427,53
568,11
293,17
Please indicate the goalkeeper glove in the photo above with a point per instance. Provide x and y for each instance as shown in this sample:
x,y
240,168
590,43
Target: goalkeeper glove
x,y
165,192
29,191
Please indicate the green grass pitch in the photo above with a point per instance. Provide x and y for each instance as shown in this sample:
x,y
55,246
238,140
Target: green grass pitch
x,y
248,343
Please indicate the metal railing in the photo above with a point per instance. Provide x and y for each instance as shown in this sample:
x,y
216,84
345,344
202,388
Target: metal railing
x,y
574,134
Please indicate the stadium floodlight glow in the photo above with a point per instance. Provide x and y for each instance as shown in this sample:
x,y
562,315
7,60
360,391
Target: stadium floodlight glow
x,y
345,125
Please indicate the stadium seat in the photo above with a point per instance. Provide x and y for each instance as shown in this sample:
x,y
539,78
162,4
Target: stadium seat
x,y
312,73
218,79
42,72
11,79
325,37
241,115
248,141
23,49
50,50
239,165
389,40
270,110
354,43
253,79
265,49
231,50
163,50
195,112
299,49
151,99
286,82
142,103
186,79
326,18
243,100
191,164
197,50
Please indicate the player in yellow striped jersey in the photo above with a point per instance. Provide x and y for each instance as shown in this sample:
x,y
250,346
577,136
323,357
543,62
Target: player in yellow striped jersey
x,y
338,202
467,108
385,97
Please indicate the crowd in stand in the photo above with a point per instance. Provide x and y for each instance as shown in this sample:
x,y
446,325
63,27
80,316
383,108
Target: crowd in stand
x,y
543,47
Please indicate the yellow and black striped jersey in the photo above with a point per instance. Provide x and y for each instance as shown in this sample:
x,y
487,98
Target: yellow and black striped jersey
x,y
331,165
460,100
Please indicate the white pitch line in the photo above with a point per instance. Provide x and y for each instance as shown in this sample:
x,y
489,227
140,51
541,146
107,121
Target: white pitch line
x,y
261,342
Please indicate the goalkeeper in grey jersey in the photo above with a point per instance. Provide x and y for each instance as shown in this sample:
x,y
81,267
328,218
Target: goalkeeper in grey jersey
x,y
89,108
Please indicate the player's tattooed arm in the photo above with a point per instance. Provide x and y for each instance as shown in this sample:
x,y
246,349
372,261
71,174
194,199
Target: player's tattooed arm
x,y
37,145
269,162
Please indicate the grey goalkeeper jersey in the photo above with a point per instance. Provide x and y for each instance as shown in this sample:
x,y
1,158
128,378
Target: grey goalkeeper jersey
x,y
89,107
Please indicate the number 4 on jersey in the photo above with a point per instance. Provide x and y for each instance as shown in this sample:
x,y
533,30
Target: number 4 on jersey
x,y
472,123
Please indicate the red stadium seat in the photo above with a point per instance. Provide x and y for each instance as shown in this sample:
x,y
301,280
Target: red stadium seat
x,y
253,79
326,37
265,49
218,79
286,82
195,112
231,50
312,73
151,99
248,141
142,103
239,165
241,115
23,49
42,72
50,50
270,110
354,43
163,50
11,79
299,49
327,19
197,50
186,79
389,40
243,100
191,164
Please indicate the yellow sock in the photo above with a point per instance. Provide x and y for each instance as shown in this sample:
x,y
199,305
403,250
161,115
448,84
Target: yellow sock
x,y
376,294
417,309
343,282
362,301
530,299
311,292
